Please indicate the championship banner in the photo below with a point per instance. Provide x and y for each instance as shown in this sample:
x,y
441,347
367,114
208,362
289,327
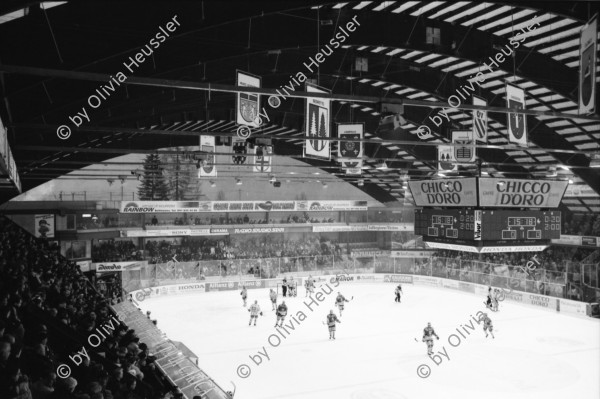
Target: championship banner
x,y
480,121
444,192
517,193
446,158
240,151
349,152
587,67
263,158
247,104
517,127
466,152
207,145
44,226
317,125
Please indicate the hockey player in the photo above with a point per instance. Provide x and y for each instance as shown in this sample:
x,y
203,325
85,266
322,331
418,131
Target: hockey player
x,y
281,313
331,320
244,295
495,299
487,325
254,310
398,292
292,287
339,302
310,286
488,302
428,334
273,296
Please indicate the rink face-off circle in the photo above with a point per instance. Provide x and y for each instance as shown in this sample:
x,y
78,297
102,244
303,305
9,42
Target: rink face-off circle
x,y
535,353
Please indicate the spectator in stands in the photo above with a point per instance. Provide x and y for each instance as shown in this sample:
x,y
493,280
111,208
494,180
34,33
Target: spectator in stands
x,y
154,220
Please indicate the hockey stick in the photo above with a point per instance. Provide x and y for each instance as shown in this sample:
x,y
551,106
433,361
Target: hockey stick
x,y
234,389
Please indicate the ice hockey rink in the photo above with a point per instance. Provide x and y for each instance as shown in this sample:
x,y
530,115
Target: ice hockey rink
x,y
378,350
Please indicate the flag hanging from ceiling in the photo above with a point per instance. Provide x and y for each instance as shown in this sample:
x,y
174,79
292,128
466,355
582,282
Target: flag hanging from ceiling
x,y
263,158
463,153
207,145
247,104
240,151
480,120
446,158
317,125
517,123
587,67
350,152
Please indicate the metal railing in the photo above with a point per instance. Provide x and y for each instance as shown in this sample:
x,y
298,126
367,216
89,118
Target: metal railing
x,y
539,281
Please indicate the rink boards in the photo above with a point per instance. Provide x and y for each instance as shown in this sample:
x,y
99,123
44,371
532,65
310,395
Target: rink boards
x,y
534,300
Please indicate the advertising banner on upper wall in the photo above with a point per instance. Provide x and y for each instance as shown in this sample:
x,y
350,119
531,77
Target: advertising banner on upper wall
x,y
444,192
518,193
239,206
44,226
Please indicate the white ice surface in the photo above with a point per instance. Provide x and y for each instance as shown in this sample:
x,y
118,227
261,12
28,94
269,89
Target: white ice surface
x,y
536,353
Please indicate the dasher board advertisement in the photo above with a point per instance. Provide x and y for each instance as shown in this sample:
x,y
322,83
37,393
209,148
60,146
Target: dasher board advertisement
x,y
518,193
444,192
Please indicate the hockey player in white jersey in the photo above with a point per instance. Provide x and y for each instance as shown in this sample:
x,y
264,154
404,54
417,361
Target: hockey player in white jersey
x,y
254,310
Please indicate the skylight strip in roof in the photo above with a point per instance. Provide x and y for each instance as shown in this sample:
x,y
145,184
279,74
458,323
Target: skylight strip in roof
x,y
469,11
487,16
361,5
426,8
565,45
517,27
405,6
383,5
506,20
339,5
555,36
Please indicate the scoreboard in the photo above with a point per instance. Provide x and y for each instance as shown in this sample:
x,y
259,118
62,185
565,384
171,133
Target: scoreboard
x,y
520,225
482,228
452,224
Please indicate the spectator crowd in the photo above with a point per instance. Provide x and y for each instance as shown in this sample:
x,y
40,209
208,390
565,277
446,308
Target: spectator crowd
x,y
48,308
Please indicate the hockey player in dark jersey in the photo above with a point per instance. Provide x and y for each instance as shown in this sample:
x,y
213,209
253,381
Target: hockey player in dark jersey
x,y
398,292
244,294
281,313
428,334
331,320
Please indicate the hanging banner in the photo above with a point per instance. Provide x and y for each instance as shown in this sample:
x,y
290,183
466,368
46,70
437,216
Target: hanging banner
x,y
446,158
587,67
240,150
444,192
262,160
517,127
350,152
317,125
247,104
44,226
207,145
517,193
480,121
466,152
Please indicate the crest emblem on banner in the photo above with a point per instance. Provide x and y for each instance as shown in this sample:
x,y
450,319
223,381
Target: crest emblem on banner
x,y
248,106
262,160
350,149
240,149
464,153
317,126
207,146
446,158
